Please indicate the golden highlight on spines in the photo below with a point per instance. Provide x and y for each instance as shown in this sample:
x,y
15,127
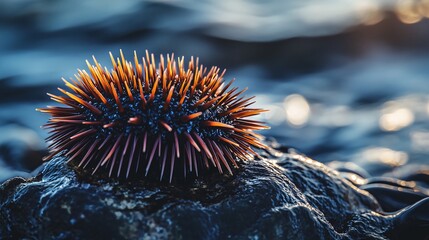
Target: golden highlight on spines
x,y
152,115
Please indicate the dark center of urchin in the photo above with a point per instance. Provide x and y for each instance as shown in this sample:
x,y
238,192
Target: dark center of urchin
x,y
169,118
152,114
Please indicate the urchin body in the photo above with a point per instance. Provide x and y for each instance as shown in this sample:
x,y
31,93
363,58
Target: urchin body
x,y
146,117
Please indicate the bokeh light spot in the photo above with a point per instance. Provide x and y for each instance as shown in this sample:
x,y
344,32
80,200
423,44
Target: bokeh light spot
x,y
297,110
385,155
394,119
408,11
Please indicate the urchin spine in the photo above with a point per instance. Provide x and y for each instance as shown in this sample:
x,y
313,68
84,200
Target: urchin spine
x,y
143,115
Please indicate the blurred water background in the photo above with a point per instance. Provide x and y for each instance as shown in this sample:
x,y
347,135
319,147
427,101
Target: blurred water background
x,y
344,80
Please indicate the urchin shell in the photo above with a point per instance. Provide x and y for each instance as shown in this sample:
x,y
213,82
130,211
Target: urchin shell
x,y
145,117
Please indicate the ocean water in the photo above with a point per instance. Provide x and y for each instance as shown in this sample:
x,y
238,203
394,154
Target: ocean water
x,y
344,81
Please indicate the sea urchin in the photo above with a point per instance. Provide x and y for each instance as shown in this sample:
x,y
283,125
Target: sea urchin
x,y
140,118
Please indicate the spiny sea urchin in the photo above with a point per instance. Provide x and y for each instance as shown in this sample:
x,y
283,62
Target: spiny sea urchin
x,y
138,117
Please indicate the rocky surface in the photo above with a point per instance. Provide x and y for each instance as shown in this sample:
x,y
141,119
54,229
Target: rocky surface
x,y
286,196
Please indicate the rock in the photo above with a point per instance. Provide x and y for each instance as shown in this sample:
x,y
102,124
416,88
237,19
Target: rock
x,y
349,167
394,198
412,222
286,196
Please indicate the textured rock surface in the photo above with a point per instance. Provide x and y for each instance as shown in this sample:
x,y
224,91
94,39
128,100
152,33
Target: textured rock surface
x,y
287,196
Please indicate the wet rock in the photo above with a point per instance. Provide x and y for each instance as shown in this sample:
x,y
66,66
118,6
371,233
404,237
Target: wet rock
x,y
412,222
393,198
287,196
418,173
349,167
